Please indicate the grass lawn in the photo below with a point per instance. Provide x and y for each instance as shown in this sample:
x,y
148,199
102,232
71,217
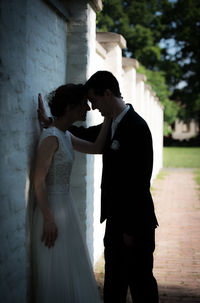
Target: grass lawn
x,y
197,177
187,157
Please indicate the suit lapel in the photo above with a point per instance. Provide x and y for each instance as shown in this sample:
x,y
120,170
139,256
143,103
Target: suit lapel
x,y
122,123
108,139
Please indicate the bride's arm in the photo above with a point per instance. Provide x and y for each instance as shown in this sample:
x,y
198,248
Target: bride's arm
x,y
43,161
87,147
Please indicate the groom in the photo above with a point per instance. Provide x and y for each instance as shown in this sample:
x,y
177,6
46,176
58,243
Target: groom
x,y
126,202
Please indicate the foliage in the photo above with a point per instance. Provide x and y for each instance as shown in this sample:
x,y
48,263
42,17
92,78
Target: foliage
x,y
192,142
135,21
164,36
183,25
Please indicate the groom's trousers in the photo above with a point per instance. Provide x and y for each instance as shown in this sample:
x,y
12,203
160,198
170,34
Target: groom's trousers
x,y
129,266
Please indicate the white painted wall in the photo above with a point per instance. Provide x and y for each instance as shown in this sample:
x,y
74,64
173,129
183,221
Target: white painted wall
x,y
149,107
129,80
39,52
81,52
31,62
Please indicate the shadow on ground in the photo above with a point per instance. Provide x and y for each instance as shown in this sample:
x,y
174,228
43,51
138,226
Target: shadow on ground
x,y
175,294
167,294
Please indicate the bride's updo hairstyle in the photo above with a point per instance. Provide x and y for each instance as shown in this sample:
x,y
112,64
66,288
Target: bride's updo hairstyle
x,y
64,95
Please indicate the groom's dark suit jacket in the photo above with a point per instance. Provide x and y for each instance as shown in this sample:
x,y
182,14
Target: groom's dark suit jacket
x,y
127,169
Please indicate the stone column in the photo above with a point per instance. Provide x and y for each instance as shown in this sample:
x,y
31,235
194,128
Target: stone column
x,y
147,100
129,81
157,133
140,81
113,44
108,57
81,32
160,110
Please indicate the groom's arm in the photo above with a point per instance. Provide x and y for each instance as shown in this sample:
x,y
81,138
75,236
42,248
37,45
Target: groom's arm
x,y
89,134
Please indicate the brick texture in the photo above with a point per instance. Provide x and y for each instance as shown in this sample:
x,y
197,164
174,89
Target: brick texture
x,y
177,256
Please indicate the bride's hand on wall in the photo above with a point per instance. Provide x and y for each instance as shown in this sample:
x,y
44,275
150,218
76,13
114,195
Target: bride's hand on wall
x,y
44,120
50,233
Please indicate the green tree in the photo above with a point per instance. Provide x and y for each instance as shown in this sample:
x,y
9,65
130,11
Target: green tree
x,y
135,21
150,27
183,25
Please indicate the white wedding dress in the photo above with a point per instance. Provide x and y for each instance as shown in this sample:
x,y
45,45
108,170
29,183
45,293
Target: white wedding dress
x,y
62,274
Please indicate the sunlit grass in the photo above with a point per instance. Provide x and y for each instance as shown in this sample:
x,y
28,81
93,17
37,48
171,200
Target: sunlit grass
x,y
197,179
186,157
197,176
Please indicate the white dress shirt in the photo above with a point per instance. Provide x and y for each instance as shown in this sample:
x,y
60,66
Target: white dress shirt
x,y
117,120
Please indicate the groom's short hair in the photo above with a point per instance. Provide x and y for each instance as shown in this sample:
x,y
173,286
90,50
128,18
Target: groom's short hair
x,y
102,80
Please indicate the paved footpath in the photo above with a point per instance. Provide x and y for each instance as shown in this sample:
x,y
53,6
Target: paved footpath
x,y
177,255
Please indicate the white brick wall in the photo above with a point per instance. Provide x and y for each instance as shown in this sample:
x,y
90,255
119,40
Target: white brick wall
x,y
31,62
81,38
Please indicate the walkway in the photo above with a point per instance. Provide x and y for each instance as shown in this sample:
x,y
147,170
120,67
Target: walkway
x,y
177,256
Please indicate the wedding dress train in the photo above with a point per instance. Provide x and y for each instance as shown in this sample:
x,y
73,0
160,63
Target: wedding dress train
x,y
63,273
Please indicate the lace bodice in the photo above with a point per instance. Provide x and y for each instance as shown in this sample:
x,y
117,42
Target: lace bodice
x,y
58,178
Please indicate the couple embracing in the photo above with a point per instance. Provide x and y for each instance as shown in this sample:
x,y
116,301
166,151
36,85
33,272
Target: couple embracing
x,y
61,266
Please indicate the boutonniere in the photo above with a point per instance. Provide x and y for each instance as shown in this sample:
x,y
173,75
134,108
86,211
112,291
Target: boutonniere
x,y
115,145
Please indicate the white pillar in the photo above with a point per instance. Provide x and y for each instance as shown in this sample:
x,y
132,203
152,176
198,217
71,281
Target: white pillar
x,y
140,79
149,107
80,57
129,80
108,56
147,101
113,44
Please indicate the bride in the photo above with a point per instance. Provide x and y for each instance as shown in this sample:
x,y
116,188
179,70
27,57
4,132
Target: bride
x,y
62,271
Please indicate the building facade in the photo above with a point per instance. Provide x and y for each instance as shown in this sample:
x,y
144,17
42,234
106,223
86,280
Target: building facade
x,y
185,130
